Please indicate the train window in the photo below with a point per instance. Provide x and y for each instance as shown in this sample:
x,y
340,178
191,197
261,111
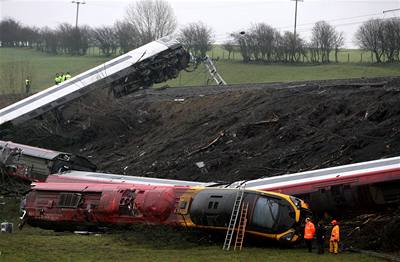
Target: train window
x,y
69,200
215,205
266,213
182,204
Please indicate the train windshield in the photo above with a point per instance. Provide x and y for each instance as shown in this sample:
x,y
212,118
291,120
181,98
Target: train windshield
x,y
273,215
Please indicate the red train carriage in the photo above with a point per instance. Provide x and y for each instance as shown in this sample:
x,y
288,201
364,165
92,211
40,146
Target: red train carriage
x,y
70,206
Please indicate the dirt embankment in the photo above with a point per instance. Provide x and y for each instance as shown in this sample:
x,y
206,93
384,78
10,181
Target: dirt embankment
x,y
239,132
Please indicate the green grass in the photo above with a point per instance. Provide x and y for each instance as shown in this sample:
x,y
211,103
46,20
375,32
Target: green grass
x,y
142,243
38,245
42,67
344,55
235,72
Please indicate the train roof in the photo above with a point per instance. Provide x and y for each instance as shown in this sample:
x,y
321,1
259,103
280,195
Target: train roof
x,y
112,178
35,151
386,169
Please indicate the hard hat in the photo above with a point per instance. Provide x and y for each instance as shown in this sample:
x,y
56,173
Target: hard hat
x,y
334,222
308,219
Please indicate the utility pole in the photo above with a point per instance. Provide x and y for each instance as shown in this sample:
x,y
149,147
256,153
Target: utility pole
x,y
295,25
77,11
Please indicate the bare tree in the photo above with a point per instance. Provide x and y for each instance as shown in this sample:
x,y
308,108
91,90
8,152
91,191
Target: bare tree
x,y
229,46
152,19
127,36
106,39
391,38
9,32
49,39
339,42
324,38
263,35
197,38
370,36
243,41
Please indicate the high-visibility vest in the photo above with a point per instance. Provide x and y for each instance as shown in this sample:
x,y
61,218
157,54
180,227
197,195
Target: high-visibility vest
x,y
335,235
67,76
309,230
57,80
27,82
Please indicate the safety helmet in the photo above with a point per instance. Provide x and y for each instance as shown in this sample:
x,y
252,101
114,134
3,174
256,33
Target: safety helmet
x,y
334,222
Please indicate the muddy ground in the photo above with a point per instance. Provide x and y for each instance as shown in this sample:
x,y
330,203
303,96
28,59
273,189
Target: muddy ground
x,y
239,132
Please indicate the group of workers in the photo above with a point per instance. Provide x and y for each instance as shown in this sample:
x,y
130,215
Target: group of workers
x,y
310,231
61,77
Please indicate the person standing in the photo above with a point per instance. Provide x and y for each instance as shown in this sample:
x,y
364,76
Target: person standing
x,y
335,238
309,231
67,76
57,79
62,77
320,234
27,84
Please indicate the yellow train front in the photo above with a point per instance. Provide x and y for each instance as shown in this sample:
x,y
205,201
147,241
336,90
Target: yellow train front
x,y
70,206
270,215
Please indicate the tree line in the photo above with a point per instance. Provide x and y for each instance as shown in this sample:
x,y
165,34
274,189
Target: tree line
x,y
148,20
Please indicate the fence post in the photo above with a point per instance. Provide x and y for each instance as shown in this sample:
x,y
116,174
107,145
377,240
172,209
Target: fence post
x,y
361,58
348,57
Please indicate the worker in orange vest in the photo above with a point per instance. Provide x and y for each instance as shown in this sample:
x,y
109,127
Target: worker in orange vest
x,y
309,231
335,237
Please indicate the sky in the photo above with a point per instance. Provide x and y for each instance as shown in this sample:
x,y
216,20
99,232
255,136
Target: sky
x,y
223,16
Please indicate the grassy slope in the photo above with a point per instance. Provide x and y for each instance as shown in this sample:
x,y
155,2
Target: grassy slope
x,y
233,71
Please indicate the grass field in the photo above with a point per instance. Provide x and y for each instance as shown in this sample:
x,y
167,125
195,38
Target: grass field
x,y
40,66
36,245
15,64
344,55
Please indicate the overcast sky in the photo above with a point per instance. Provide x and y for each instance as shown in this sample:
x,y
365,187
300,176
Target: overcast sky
x,y
223,16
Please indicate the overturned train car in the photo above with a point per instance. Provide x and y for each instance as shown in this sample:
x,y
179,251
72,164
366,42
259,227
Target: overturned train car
x,y
71,206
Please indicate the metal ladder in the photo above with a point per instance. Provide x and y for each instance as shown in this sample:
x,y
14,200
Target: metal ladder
x,y
213,71
233,220
241,227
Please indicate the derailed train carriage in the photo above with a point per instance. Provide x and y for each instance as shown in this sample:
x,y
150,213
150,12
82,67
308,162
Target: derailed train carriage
x,y
76,206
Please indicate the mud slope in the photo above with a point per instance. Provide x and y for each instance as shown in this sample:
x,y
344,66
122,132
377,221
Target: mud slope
x,y
239,132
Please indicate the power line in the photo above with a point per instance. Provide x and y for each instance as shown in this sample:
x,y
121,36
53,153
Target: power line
x,y
391,10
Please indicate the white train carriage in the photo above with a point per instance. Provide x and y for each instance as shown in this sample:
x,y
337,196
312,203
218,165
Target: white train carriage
x,y
154,62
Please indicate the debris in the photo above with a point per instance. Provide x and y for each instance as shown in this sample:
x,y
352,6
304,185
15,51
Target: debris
x,y
220,134
200,164
179,99
6,227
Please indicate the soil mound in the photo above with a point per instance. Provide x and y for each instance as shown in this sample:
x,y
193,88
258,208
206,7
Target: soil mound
x,y
239,132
